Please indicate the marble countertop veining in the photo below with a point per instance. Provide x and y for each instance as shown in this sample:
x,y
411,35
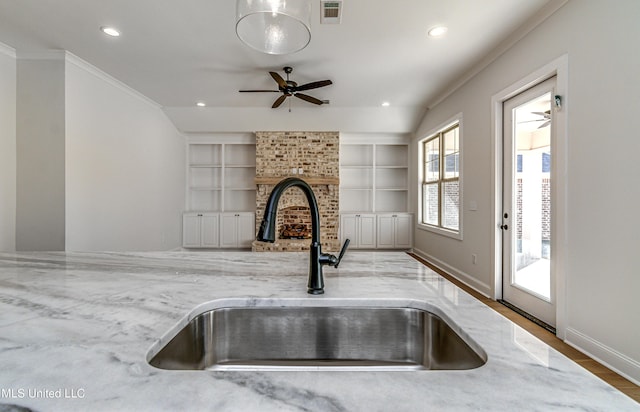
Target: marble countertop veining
x,y
75,330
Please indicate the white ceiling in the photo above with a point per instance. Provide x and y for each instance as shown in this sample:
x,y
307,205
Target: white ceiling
x,y
177,52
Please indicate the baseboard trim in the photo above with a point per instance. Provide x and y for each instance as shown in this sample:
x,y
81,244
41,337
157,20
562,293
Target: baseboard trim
x,y
471,282
612,359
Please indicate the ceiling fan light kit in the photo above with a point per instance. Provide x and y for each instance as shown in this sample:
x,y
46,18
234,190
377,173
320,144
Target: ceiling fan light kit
x,y
274,26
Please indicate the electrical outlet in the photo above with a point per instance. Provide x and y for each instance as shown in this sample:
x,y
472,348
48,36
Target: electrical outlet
x,y
474,258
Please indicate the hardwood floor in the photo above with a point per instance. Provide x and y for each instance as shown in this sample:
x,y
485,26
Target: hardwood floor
x,y
623,385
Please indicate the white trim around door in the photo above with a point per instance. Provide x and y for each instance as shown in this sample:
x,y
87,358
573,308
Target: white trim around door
x,y
558,68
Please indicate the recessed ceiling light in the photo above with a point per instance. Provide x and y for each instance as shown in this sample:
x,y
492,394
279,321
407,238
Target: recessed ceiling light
x,y
386,104
110,31
437,31
201,104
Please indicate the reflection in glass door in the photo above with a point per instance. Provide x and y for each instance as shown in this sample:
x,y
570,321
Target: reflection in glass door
x,y
527,277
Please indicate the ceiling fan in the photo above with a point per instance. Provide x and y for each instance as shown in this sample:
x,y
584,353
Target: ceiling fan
x,y
546,118
290,88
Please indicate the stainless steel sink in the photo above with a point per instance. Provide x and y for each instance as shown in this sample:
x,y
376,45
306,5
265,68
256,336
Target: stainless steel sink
x,y
317,338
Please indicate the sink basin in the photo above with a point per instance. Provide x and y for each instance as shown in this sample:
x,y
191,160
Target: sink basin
x,y
317,338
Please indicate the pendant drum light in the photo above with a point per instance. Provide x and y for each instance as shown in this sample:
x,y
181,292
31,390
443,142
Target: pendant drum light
x,y
274,26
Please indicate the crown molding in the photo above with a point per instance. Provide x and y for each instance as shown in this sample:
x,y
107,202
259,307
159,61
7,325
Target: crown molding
x,y
8,50
67,57
89,68
543,14
41,55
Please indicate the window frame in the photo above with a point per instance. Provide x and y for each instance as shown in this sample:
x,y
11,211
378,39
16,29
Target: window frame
x,y
439,133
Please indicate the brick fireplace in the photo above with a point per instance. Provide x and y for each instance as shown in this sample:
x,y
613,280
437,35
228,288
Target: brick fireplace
x,y
313,157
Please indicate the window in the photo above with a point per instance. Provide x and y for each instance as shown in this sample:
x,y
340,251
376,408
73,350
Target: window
x,y
546,163
440,206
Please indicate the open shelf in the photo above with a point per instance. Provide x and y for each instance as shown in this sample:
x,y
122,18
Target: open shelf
x,y
374,177
209,155
356,155
220,177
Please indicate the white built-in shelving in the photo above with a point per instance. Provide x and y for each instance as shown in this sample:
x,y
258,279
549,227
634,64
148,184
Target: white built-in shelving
x,y
374,177
221,177
220,192
374,192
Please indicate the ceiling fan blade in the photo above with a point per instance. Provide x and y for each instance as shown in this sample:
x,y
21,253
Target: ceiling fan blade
x,y
545,124
279,79
279,101
546,114
314,85
310,99
258,91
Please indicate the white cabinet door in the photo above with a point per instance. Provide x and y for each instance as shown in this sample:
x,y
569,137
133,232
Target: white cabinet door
x,y
228,230
209,230
367,231
213,230
394,231
360,229
403,226
237,229
200,230
246,229
386,231
191,230
349,229
383,231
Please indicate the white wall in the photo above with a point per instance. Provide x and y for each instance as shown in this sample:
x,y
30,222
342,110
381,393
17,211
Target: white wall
x,y
40,135
125,167
7,148
603,285
313,119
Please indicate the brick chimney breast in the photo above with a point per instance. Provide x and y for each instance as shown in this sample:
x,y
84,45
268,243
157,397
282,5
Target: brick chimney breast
x,y
313,157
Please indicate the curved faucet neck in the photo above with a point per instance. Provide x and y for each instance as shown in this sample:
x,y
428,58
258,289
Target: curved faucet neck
x,y
317,259
267,229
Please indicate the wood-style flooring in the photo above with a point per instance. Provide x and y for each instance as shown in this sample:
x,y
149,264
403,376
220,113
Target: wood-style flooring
x,y
623,385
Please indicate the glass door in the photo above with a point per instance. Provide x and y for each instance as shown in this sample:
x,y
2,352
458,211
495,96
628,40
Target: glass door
x,y
528,281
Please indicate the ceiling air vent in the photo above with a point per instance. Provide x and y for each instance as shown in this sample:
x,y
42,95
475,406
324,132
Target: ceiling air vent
x,y
331,11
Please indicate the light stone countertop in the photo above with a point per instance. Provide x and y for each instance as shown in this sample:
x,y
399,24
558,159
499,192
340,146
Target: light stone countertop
x,y
76,328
